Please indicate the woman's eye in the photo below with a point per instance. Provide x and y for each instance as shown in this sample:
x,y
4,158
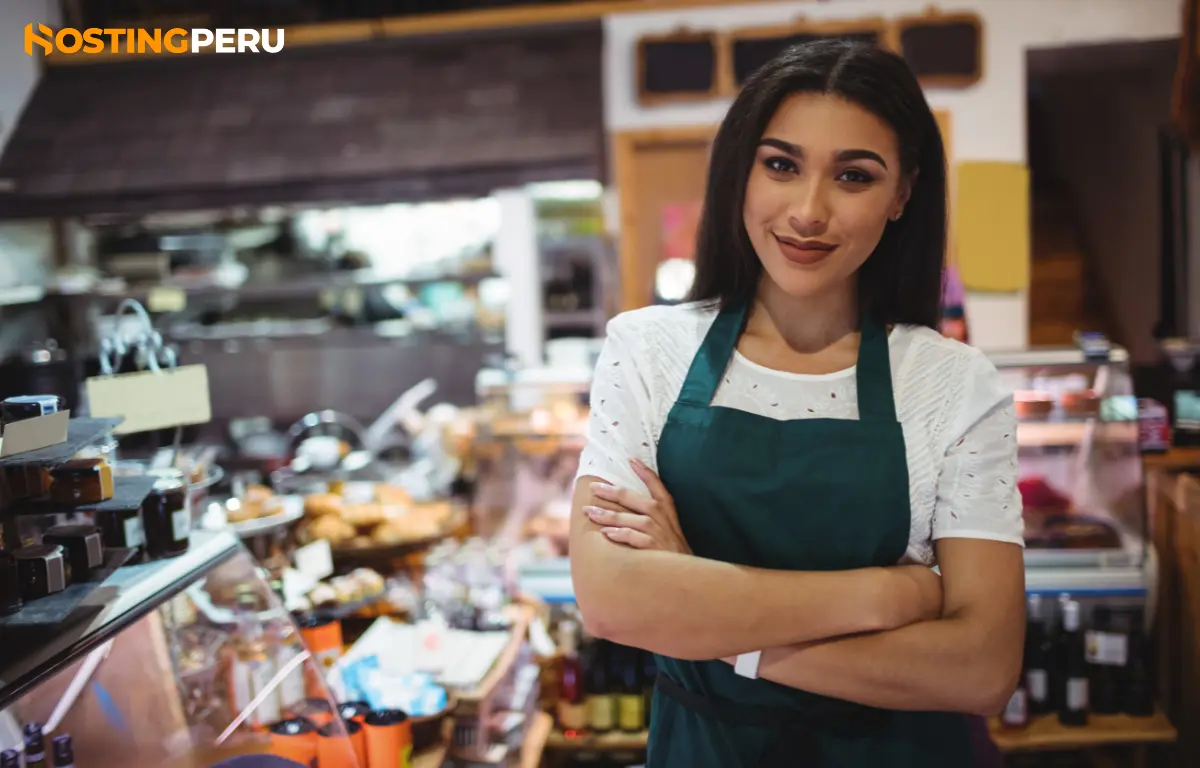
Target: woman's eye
x,y
855,176
779,165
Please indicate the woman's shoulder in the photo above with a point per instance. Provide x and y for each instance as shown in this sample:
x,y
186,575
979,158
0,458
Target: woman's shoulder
x,y
675,324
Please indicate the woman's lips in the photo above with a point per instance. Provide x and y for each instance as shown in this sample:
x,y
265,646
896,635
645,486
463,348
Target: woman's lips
x,y
805,254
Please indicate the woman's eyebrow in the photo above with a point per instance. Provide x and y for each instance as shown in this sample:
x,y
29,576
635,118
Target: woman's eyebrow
x,y
843,156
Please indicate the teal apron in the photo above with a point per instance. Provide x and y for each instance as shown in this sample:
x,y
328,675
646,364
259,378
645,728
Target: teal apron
x,y
805,495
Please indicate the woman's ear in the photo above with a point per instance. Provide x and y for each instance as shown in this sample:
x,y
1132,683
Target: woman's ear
x,y
903,194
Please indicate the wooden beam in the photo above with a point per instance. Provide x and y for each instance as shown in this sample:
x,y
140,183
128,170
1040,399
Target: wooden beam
x,y
334,32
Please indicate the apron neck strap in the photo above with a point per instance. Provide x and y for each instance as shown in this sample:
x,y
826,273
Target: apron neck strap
x,y
873,370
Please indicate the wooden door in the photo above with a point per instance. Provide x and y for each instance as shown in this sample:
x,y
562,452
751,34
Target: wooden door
x,y
654,169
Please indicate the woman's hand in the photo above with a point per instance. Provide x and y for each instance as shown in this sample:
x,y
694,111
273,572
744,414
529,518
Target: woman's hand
x,y
637,521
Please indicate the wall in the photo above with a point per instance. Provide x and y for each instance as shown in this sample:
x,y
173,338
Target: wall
x,y
988,119
1102,125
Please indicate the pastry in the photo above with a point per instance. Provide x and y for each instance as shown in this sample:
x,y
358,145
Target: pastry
x,y
323,595
391,494
370,582
1080,403
332,528
322,504
82,481
257,493
363,516
243,511
1032,404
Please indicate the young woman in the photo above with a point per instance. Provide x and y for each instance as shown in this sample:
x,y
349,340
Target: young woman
x,y
772,468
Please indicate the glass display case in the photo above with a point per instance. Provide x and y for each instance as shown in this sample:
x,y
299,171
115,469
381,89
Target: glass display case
x,y
1080,467
188,661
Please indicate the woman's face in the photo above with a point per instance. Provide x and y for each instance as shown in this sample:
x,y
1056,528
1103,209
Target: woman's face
x,y
826,179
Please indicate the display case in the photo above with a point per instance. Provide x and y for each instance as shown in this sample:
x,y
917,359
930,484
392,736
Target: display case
x,y
187,661
1080,469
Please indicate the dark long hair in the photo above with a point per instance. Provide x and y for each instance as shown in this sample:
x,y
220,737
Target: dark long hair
x,y
901,282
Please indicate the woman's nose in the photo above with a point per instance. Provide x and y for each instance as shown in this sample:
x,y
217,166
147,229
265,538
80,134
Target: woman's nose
x,y
809,213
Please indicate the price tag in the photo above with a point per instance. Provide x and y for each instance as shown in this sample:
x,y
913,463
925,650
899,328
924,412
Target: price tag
x,y
32,434
315,560
166,300
148,400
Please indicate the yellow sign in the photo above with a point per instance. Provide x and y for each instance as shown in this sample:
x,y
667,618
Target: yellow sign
x,y
94,40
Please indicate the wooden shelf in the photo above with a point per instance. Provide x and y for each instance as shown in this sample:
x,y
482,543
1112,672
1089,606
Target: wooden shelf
x,y
1176,459
434,757
607,742
1046,734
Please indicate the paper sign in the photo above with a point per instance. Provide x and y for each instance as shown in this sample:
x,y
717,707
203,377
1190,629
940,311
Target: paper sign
x,y
315,560
166,300
149,400
32,434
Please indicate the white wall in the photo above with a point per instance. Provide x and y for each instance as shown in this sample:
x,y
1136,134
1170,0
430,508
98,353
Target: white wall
x,y
19,72
987,119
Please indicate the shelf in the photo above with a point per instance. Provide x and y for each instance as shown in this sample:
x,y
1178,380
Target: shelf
x,y
1045,733
81,432
33,655
605,742
54,610
1045,434
129,493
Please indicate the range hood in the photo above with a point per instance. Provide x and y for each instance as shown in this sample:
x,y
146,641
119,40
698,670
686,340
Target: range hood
x,y
395,120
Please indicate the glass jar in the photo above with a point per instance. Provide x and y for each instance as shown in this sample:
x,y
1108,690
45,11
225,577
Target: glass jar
x,y
166,517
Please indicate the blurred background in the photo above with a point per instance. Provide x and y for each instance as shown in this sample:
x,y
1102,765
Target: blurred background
x,y
406,232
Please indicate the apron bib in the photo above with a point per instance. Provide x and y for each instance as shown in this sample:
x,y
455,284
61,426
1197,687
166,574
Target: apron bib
x,y
802,495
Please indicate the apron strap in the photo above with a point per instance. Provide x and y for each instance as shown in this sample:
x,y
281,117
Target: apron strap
x,y
874,374
710,362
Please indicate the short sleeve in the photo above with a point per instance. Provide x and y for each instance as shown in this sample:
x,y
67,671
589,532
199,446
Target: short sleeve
x,y
977,495
619,424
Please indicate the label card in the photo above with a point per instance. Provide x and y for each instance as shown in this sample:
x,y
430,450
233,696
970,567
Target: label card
x,y
148,400
315,560
32,434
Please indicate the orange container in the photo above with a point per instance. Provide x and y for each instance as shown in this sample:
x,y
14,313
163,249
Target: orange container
x,y
316,710
389,739
341,745
323,638
354,710
295,739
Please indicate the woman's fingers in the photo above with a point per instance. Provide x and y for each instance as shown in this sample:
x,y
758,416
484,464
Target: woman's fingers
x,y
629,537
607,517
634,502
658,491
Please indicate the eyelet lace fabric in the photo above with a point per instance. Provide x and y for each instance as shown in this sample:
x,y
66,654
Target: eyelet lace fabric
x,y
958,421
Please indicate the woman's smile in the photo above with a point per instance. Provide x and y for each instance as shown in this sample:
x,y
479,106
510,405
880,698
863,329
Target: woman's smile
x,y
804,253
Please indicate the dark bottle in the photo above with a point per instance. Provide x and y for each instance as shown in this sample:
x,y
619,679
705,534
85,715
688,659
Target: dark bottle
x,y
1107,653
601,699
572,705
1058,653
63,751
1139,681
1037,659
649,676
10,758
631,706
1074,709
35,746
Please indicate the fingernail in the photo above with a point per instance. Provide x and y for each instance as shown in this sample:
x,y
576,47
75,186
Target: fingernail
x,y
595,512
637,463
609,531
604,488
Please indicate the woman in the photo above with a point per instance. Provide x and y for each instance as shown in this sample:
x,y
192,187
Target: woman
x,y
772,468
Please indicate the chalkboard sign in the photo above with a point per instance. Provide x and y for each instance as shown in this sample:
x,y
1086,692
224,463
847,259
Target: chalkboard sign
x,y
945,51
679,67
754,48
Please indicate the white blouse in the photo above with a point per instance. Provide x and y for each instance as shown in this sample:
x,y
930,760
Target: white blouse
x,y
959,424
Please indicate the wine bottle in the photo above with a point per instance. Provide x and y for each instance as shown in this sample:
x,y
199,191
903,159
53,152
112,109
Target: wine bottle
x,y
1058,653
1037,659
631,706
10,758
1107,654
572,709
1139,680
63,751
601,699
1074,709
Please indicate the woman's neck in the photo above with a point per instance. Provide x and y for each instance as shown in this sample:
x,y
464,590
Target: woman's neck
x,y
806,325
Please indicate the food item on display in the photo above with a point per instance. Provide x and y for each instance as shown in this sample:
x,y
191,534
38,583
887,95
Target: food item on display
x,y
316,710
1076,532
323,596
10,585
341,745
371,582
24,407
41,571
332,528
1080,403
81,481
354,710
259,494
347,590
392,495
122,529
83,546
295,739
165,514
24,481
364,515
63,751
1039,498
1033,404
320,505
10,758
323,637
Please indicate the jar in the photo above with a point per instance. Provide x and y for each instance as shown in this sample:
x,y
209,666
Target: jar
x,y
42,571
122,529
10,585
166,517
